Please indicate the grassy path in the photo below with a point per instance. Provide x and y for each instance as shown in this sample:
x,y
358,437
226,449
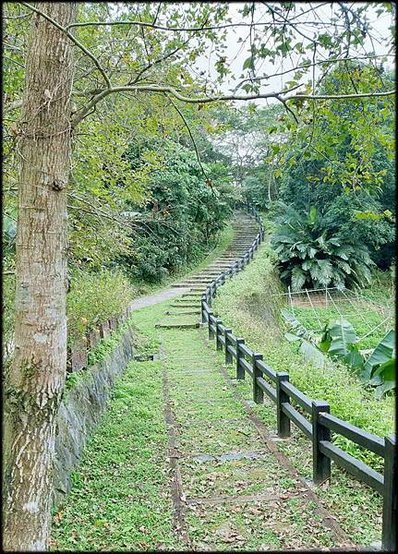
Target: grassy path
x,y
182,460
179,464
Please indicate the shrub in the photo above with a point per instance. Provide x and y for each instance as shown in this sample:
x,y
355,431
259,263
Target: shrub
x,y
183,215
311,255
94,298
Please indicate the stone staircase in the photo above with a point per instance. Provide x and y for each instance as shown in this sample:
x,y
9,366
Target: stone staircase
x,y
186,307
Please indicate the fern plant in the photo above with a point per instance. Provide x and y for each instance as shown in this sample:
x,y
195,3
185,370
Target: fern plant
x,y
310,255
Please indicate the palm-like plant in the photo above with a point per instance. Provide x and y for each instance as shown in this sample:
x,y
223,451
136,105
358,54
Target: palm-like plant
x,y
311,255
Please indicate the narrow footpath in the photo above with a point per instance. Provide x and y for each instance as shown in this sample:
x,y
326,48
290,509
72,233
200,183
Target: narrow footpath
x,y
209,475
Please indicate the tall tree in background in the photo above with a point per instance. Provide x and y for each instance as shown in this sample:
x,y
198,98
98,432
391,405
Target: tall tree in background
x,y
123,49
35,382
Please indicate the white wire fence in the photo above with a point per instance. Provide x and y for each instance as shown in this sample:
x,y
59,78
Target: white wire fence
x,y
315,307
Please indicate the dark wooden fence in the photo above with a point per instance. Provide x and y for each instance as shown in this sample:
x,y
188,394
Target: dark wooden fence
x,y
77,355
312,417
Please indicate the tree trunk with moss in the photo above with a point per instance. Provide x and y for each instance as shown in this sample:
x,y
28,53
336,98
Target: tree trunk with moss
x,y
36,378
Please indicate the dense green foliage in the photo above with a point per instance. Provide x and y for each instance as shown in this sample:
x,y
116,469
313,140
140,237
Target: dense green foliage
x,y
311,255
95,297
340,161
184,212
334,160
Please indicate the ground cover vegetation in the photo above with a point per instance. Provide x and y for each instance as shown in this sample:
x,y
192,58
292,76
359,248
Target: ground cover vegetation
x,y
90,520
112,168
131,444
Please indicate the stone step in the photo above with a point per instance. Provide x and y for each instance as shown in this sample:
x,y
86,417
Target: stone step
x,y
219,268
196,282
196,297
188,312
177,325
196,278
212,271
202,278
197,285
182,305
185,285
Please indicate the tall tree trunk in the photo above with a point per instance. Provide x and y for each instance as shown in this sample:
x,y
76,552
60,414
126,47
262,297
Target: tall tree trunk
x,y
36,379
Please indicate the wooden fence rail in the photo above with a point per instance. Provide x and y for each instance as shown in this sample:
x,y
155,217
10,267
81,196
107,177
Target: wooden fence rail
x,y
311,416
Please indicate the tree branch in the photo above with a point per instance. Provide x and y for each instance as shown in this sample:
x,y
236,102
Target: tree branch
x,y
299,96
187,29
308,66
157,61
168,89
207,99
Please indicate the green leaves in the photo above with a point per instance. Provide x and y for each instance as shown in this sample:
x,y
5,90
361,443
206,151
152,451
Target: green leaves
x,y
386,374
381,354
340,341
311,256
312,353
249,63
342,335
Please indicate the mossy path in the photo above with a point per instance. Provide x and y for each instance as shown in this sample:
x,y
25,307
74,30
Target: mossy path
x,y
181,461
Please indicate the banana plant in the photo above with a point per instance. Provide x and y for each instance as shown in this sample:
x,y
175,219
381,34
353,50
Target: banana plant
x,y
379,369
339,340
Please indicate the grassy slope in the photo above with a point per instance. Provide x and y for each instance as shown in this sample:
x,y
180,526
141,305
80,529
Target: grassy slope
x,y
247,304
250,305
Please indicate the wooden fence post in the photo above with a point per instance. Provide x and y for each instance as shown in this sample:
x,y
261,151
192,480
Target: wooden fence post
x,y
211,332
240,372
283,422
258,394
320,462
389,534
228,355
218,342
202,308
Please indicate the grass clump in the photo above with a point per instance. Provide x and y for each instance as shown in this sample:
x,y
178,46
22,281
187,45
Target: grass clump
x,y
95,298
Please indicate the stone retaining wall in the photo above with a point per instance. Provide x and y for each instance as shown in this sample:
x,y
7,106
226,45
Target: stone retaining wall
x,y
81,410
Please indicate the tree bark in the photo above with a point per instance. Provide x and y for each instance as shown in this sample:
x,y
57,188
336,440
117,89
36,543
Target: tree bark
x,y
34,384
